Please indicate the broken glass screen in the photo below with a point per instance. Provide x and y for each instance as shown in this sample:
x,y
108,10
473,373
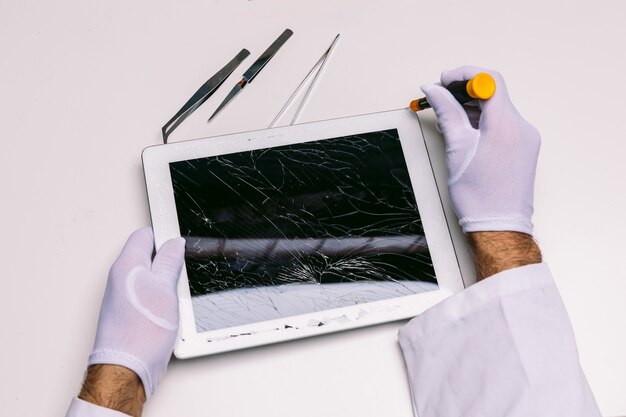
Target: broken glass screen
x,y
297,229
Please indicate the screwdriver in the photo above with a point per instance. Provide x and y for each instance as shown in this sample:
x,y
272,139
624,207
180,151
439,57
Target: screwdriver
x,y
482,86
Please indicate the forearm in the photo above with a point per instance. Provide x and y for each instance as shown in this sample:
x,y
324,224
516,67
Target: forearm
x,y
498,251
114,387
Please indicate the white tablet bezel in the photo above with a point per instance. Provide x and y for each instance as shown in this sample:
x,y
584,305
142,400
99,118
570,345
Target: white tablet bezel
x,y
190,343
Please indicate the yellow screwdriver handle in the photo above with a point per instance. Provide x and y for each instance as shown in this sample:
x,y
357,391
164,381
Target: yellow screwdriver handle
x,y
482,86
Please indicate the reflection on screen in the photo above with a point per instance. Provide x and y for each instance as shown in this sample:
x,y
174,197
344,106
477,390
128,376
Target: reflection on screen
x,y
295,229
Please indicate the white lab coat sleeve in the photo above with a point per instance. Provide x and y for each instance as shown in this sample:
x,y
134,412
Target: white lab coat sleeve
x,y
503,347
80,408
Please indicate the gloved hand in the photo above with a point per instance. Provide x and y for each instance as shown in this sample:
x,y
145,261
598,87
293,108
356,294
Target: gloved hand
x,y
139,313
492,167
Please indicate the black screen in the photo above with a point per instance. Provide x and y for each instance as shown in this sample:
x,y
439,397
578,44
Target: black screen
x,y
300,228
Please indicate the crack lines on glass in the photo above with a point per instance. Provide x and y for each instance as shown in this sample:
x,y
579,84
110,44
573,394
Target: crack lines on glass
x,y
301,228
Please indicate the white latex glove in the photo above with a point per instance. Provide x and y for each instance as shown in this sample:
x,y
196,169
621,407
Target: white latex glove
x,y
491,168
139,314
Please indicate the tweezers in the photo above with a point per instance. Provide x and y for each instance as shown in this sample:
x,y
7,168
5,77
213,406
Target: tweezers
x,y
204,92
319,65
254,69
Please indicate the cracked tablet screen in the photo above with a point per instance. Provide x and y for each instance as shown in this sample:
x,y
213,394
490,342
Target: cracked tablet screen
x,y
296,229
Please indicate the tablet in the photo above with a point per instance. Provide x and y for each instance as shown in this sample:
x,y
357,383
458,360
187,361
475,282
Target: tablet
x,y
301,230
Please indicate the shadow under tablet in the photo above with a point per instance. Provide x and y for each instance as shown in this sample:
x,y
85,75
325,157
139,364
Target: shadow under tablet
x,y
296,229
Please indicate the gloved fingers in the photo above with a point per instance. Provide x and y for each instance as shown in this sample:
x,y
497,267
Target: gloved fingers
x,y
169,260
138,249
451,117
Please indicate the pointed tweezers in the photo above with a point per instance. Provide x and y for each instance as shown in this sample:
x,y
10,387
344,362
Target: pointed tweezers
x,y
203,94
254,69
320,64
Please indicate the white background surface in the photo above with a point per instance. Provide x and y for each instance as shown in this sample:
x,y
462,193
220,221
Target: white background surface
x,y
85,86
